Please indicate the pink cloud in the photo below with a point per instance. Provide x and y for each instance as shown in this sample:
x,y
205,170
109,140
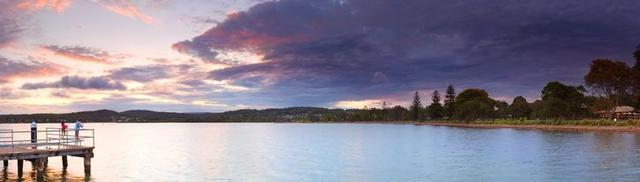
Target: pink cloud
x,y
12,69
120,7
33,5
10,26
86,54
127,9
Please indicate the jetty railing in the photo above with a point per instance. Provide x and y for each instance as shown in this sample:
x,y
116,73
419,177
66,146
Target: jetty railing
x,y
59,136
50,137
6,137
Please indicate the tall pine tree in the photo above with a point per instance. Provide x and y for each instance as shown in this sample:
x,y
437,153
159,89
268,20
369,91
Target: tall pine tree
x,y
435,109
435,97
449,99
416,107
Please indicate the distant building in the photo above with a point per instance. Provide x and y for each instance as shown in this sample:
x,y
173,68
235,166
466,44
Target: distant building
x,y
620,112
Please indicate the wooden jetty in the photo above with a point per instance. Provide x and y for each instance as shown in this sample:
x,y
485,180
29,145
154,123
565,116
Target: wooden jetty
x,y
54,143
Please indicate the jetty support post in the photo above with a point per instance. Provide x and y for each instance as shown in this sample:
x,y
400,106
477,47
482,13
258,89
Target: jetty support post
x,y
64,162
5,163
87,164
40,163
20,164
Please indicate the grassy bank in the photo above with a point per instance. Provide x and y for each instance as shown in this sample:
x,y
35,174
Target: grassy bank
x,y
549,125
549,122
566,122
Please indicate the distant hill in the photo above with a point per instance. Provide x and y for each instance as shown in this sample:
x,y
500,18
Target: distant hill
x,y
244,115
96,116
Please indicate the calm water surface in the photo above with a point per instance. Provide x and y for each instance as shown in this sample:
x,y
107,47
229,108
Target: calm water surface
x,y
345,152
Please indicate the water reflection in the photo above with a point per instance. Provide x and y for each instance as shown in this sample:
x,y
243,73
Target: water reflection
x,y
30,174
351,152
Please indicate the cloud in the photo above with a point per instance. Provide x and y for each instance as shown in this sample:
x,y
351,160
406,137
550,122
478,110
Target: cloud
x,y
9,23
360,49
34,5
98,83
14,12
9,93
127,9
150,72
192,83
11,69
204,20
359,104
121,7
190,48
82,53
8,32
140,74
59,94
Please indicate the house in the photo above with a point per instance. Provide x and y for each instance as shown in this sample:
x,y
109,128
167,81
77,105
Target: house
x,y
620,112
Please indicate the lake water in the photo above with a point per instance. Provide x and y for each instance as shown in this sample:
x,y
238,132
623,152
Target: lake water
x,y
345,152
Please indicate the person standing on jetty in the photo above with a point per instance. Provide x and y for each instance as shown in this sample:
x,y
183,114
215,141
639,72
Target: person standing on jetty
x,y
34,131
77,127
63,130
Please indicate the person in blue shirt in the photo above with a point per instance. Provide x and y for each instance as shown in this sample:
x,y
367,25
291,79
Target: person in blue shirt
x,y
77,127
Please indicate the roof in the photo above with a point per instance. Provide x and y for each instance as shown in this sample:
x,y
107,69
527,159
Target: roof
x,y
618,109
624,109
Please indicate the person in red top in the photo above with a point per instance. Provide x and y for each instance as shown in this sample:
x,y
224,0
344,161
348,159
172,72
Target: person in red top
x,y
63,127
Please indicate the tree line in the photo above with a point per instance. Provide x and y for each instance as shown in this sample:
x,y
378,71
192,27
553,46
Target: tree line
x,y
610,83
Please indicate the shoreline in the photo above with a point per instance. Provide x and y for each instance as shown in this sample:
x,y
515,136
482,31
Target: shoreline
x,y
569,128
573,128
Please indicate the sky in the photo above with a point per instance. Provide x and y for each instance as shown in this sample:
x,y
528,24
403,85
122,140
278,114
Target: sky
x,y
61,56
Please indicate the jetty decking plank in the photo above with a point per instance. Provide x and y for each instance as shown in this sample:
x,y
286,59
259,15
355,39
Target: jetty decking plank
x,y
12,153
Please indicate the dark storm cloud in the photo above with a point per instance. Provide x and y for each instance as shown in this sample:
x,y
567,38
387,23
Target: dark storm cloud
x,y
98,83
353,49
